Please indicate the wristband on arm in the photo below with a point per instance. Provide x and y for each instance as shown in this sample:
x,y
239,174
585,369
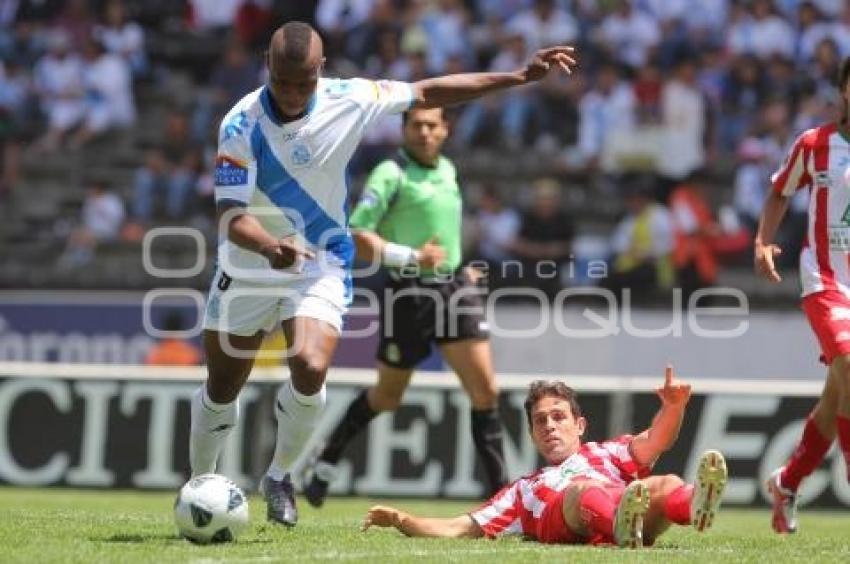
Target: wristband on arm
x,y
397,256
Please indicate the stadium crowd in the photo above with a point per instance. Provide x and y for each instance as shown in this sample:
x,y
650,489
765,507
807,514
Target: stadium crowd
x,y
680,111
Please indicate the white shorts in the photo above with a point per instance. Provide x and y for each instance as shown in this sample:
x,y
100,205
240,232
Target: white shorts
x,y
244,308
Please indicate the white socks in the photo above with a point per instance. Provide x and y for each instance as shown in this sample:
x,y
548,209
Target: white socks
x,y
297,416
211,424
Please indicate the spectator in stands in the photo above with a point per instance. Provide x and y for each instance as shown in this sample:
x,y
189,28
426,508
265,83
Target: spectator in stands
x,y
237,74
683,114
123,38
825,67
628,35
214,16
388,61
345,27
445,27
32,19
764,34
59,85
169,174
751,181
77,21
608,107
510,110
555,103
102,218
694,255
641,244
109,100
811,29
173,351
497,227
253,22
543,25
545,238
15,94
743,94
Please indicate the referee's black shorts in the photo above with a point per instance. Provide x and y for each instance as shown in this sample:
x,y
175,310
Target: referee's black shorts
x,y
416,313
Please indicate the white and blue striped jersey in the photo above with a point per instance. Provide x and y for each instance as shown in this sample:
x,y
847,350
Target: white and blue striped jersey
x,y
292,175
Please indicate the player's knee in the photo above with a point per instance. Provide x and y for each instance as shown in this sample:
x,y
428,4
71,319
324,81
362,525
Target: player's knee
x,y
669,482
308,371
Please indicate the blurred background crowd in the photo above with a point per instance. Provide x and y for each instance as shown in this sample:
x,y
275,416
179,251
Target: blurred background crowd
x,y
653,159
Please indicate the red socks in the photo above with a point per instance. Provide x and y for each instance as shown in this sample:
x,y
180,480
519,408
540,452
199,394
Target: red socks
x,y
843,424
597,510
808,454
677,506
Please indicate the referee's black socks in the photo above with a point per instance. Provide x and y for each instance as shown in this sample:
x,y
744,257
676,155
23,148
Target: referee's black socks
x,y
357,417
488,436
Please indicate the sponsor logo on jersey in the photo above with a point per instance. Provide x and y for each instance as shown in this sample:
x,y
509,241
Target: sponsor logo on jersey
x,y
822,179
230,172
300,154
338,89
235,126
843,336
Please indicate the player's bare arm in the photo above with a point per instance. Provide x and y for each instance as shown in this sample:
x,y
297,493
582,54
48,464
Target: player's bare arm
x,y
371,246
246,231
765,250
459,88
650,444
452,527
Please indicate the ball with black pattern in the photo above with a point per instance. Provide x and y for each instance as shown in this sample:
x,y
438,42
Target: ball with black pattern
x,y
211,508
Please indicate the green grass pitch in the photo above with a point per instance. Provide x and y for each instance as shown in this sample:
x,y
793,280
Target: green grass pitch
x,y
59,525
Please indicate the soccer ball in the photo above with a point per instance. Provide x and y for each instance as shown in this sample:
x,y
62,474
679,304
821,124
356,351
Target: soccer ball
x,y
211,508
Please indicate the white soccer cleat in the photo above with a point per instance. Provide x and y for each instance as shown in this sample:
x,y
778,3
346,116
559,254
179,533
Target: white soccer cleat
x,y
708,489
784,519
628,522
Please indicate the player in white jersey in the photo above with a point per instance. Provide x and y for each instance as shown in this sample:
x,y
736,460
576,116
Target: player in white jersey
x,y
286,253
818,162
592,493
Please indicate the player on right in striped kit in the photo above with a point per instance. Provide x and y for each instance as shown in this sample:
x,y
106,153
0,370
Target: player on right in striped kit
x,y
820,162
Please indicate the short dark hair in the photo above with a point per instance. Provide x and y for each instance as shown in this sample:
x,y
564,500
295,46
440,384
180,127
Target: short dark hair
x,y
405,116
540,389
296,41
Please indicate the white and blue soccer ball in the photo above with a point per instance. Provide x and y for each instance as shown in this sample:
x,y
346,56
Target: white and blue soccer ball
x,y
211,508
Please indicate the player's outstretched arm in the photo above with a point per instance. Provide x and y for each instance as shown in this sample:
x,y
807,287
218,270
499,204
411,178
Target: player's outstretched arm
x,y
458,88
674,396
764,250
452,527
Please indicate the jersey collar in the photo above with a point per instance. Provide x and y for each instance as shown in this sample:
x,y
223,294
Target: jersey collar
x,y
411,159
274,114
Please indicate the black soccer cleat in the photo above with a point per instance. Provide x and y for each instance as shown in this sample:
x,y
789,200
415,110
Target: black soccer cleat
x,y
280,500
316,491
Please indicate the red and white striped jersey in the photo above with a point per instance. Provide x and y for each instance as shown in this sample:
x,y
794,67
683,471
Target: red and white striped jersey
x,y
516,509
820,162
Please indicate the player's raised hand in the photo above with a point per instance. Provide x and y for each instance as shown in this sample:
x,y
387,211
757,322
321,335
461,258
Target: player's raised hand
x,y
544,60
674,393
764,261
380,516
431,254
286,253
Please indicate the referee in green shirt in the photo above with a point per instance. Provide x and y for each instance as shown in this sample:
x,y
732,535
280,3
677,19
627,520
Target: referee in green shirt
x,y
409,218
